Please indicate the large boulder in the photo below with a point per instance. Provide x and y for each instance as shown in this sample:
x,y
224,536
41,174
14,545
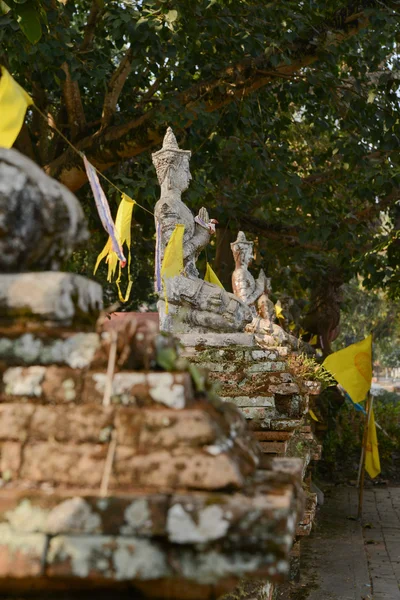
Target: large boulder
x,y
41,221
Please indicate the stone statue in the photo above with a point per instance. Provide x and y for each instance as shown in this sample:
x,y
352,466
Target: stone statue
x,y
41,221
193,304
255,293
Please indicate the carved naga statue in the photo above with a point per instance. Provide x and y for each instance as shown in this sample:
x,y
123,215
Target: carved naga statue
x,y
193,304
255,292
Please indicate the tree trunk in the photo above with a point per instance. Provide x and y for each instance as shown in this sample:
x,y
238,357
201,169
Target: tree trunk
x,y
224,263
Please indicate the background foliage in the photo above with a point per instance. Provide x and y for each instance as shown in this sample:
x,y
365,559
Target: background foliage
x,y
365,312
291,110
343,438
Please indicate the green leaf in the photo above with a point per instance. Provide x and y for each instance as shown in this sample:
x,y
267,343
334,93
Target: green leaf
x,y
197,377
29,22
166,358
4,8
171,16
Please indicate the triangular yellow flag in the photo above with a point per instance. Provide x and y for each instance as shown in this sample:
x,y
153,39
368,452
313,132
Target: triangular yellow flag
x,y
14,101
172,264
211,277
352,368
279,311
372,462
314,340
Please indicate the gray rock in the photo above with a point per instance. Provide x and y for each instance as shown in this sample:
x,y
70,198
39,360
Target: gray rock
x,y
41,221
62,298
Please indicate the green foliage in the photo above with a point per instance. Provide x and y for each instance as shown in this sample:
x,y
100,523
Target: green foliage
x,y
364,312
342,441
309,369
291,110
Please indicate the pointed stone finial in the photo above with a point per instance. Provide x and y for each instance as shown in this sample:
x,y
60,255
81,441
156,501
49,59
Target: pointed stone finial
x,y
170,142
241,239
169,155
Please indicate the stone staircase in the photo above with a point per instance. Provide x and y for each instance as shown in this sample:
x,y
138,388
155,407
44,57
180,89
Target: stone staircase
x,y
163,488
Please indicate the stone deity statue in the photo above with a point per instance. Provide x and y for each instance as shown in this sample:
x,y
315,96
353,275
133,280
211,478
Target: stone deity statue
x,y
255,293
194,305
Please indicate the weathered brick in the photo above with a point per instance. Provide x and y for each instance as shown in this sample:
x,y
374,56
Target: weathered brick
x,y
245,401
20,554
282,424
293,406
168,429
104,557
14,420
165,428
274,447
84,423
174,390
274,436
266,367
80,465
62,385
23,381
11,459
188,467
75,350
259,413
284,388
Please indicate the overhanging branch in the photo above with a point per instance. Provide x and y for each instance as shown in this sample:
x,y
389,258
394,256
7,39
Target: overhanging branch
x,y
116,143
114,88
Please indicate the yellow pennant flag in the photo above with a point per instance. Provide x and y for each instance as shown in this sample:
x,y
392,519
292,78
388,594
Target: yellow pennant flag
x,y
211,277
372,462
123,224
172,264
314,340
352,368
14,101
279,311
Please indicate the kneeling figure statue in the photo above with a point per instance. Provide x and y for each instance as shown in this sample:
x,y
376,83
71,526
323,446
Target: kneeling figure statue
x,y
193,305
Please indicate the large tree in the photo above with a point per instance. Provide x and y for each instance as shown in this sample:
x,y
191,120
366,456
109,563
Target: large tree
x,y
291,110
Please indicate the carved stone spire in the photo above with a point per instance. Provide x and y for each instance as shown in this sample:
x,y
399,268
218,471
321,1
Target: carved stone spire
x,y
241,239
170,142
170,155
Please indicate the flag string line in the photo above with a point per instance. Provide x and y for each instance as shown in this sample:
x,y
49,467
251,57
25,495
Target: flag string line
x,y
80,154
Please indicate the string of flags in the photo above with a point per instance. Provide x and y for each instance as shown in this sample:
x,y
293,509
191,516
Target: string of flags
x,y
14,102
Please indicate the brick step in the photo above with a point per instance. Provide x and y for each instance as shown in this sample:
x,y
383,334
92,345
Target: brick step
x,y
274,447
272,436
274,424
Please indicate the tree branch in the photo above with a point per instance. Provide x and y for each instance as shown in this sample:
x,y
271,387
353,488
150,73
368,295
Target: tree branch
x,y
118,142
73,104
95,11
114,88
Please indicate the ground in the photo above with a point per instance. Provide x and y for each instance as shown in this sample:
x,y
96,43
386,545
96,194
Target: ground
x,y
348,559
